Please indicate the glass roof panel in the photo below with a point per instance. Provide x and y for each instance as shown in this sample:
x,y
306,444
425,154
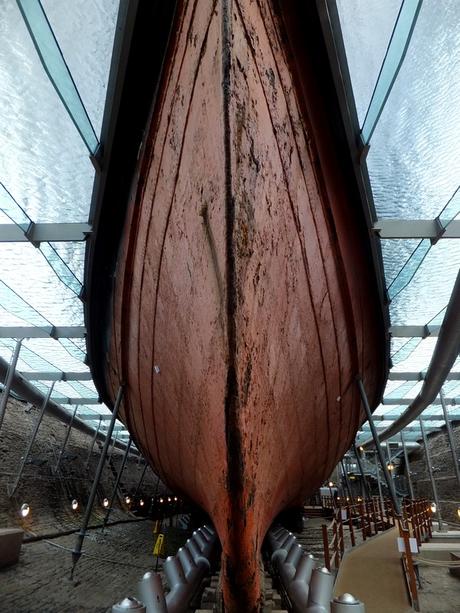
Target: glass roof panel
x,y
431,287
414,168
361,21
26,272
414,159
73,255
89,64
44,163
46,176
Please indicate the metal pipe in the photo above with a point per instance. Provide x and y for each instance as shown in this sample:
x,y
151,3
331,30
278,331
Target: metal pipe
x,y
430,472
390,464
444,355
115,487
450,436
31,441
375,436
406,460
347,481
76,553
66,438
364,488
93,442
110,454
379,485
9,381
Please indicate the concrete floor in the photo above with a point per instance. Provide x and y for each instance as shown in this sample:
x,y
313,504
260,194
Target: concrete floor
x,y
41,581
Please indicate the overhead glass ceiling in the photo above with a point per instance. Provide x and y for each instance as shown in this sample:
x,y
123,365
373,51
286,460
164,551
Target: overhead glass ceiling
x,y
46,176
50,125
404,63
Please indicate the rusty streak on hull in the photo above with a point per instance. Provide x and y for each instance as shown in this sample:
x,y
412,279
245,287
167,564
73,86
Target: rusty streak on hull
x,y
242,276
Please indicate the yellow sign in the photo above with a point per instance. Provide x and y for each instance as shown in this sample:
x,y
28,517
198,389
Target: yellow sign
x,y
156,527
159,545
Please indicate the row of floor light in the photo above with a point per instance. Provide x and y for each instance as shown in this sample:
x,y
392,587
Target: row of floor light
x,y
25,508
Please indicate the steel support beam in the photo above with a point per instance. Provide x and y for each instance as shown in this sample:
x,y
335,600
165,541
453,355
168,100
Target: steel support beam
x,y
364,487
430,472
95,417
117,482
109,455
44,232
411,331
407,401
93,441
13,489
416,228
56,376
406,460
66,438
347,481
71,401
45,332
379,484
450,437
8,381
419,376
76,553
455,415
375,436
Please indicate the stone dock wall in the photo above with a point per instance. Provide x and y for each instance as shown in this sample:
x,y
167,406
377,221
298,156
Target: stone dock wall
x,y
49,495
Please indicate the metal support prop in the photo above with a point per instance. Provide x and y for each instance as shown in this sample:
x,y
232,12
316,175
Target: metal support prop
x,y
430,472
69,429
406,460
378,446
140,481
347,480
390,463
9,381
379,485
76,553
110,454
364,487
31,442
450,436
117,482
93,442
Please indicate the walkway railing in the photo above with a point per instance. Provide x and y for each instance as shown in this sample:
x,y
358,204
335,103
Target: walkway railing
x,y
363,519
367,518
415,526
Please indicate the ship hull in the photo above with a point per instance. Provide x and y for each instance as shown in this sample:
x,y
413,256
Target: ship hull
x,y
244,303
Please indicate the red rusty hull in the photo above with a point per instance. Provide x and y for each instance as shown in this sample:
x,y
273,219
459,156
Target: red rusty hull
x,y
242,279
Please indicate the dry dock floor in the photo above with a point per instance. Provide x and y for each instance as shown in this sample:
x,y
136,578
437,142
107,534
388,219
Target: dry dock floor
x,y
40,582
